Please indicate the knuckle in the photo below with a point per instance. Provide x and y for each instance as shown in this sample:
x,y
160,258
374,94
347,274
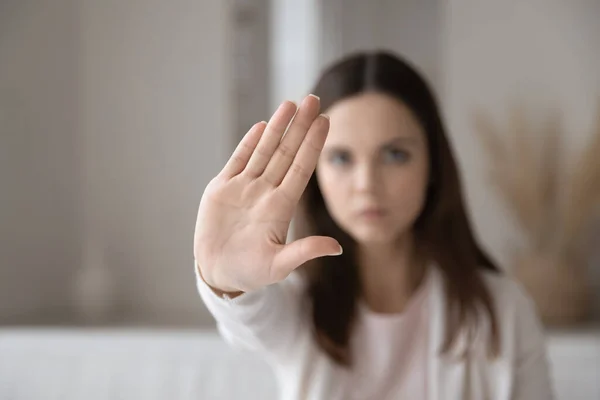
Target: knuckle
x,y
286,197
261,152
312,146
269,180
251,172
237,159
300,171
285,151
247,147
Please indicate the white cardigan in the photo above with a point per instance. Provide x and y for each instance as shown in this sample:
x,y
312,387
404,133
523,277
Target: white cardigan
x,y
271,321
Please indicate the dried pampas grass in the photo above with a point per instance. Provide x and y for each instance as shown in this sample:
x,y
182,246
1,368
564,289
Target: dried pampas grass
x,y
553,204
583,194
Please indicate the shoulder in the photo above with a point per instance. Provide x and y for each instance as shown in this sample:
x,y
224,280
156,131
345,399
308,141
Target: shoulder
x,y
522,337
520,326
507,293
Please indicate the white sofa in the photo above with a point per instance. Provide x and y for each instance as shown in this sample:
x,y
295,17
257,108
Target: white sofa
x,y
132,364
127,364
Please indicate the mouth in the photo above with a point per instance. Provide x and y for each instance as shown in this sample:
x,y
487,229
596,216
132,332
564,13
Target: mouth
x,y
372,213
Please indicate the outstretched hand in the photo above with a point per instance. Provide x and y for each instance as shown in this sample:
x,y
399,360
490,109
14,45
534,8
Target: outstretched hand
x,y
246,210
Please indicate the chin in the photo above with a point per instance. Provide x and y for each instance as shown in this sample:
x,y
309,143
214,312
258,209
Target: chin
x,y
374,236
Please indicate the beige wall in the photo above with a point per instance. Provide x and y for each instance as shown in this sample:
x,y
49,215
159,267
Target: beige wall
x,y
115,114
411,27
156,126
40,198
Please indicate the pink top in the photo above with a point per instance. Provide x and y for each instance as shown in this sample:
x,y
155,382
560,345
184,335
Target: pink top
x,y
390,352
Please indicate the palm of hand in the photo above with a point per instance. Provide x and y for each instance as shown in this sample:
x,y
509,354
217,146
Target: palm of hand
x,y
246,211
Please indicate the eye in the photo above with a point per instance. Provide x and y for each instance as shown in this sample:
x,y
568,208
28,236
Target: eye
x,y
339,158
395,155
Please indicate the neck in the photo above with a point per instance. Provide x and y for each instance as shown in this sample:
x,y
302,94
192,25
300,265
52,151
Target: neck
x,y
389,274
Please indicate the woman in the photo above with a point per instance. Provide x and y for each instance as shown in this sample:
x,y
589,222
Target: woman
x,y
412,308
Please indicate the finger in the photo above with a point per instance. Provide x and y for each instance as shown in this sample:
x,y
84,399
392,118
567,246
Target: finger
x,y
304,163
270,139
238,160
294,254
288,147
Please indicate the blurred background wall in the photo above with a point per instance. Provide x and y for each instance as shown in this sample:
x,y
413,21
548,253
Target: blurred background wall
x,y
115,114
40,156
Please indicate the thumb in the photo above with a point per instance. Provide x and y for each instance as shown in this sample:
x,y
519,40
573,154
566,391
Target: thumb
x,y
293,255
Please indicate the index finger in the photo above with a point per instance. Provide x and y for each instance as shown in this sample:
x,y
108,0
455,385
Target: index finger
x,y
305,161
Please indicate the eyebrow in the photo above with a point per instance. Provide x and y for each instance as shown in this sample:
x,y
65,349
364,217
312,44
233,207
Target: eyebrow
x,y
408,140
398,140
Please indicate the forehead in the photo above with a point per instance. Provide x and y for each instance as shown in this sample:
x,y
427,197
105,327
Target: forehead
x,y
369,119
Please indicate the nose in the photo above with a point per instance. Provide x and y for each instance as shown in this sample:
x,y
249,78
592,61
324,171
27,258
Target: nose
x,y
366,178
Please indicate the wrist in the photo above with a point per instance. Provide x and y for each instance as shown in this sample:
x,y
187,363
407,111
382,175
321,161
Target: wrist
x,y
219,292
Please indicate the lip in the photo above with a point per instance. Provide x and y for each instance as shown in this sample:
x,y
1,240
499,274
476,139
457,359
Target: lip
x,y
372,213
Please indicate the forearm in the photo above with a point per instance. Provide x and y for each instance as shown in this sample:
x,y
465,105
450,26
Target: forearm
x,y
266,319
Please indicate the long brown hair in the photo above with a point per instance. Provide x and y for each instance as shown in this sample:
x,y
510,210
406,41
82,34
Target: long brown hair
x,y
442,229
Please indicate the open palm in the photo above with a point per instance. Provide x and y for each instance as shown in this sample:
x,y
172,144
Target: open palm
x,y
246,210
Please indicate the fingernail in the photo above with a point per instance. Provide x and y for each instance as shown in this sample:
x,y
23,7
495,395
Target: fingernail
x,y
340,251
325,116
315,96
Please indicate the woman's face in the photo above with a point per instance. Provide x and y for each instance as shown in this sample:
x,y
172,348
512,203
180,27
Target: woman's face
x,y
373,171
